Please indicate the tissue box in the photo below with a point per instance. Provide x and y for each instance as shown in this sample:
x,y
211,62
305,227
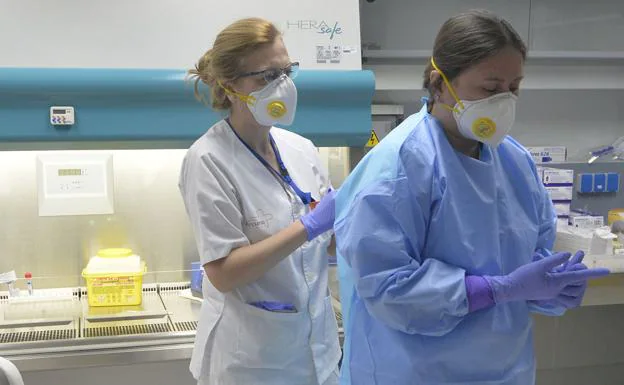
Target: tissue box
x,y
558,176
555,154
562,209
560,193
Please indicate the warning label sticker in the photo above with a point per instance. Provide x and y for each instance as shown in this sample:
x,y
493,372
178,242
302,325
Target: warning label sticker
x,y
373,140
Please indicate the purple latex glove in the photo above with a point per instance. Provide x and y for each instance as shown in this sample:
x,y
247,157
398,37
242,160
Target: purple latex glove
x,y
321,219
479,293
540,280
572,295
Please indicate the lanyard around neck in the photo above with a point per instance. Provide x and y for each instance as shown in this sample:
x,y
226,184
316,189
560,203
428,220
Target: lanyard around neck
x,y
283,174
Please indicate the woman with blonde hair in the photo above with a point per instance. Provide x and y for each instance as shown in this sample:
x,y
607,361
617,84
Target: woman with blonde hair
x,y
251,192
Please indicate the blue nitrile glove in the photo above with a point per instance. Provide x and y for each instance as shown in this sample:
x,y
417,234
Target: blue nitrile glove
x,y
274,306
321,219
572,295
539,280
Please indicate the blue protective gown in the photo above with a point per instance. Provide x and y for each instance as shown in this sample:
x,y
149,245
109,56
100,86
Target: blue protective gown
x,y
415,217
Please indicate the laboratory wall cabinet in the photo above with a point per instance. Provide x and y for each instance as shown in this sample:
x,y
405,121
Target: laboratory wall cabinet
x,y
579,28
552,28
408,26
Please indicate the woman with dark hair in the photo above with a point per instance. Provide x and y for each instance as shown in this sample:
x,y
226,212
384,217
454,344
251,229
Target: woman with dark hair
x,y
444,230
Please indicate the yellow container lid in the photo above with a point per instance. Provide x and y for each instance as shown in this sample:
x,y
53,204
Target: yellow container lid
x,y
615,215
115,253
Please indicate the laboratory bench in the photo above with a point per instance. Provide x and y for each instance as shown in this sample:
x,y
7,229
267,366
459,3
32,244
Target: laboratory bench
x,y
608,290
69,334
57,342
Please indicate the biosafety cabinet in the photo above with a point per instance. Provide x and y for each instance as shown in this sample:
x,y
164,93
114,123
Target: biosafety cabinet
x,y
95,119
109,181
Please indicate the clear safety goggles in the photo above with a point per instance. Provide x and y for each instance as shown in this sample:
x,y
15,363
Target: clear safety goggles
x,y
271,74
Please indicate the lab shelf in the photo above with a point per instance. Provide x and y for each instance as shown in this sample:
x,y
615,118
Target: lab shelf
x,y
532,56
407,74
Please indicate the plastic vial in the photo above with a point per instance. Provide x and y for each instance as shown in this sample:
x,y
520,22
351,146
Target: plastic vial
x,y
29,285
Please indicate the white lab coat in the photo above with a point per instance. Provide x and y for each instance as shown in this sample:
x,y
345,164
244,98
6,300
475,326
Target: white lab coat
x,y
232,200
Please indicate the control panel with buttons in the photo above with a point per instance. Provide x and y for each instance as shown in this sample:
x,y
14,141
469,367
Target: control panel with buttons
x,y
62,116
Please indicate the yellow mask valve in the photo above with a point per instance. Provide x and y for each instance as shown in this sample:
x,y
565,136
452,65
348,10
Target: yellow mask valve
x,y
277,109
484,128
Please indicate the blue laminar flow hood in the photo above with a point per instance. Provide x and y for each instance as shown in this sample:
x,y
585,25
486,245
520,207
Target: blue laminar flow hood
x,y
137,104
334,107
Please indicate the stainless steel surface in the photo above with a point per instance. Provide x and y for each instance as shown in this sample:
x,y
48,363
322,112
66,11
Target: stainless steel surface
x,y
88,356
24,322
161,329
19,337
150,317
107,335
183,312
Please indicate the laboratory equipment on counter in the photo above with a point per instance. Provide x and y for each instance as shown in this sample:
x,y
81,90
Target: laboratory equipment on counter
x,y
616,221
616,149
9,279
615,215
114,278
29,285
